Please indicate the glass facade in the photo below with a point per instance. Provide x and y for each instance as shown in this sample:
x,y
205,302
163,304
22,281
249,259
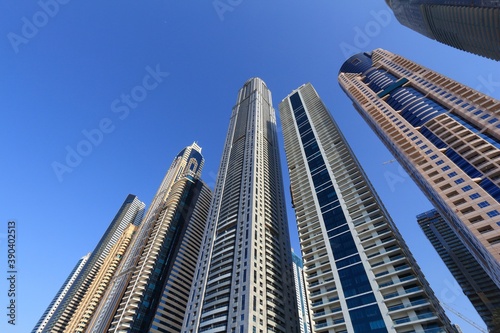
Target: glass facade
x,y
353,278
358,269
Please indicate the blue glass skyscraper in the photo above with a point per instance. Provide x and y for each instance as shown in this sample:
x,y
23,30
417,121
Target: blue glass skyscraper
x,y
360,275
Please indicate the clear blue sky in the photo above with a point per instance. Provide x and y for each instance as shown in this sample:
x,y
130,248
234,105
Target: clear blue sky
x,y
71,73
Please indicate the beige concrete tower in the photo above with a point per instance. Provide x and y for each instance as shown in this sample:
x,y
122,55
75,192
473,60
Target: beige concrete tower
x,y
131,212
150,290
96,290
244,277
445,135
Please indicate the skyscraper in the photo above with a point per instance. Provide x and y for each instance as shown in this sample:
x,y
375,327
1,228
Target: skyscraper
x,y
150,291
60,295
482,292
360,275
471,26
85,310
130,212
301,294
244,279
444,134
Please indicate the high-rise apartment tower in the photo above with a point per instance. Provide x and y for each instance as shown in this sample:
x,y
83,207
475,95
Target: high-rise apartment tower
x,y
482,292
360,275
467,25
244,279
60,295
131,212
444,134
301,294
150,291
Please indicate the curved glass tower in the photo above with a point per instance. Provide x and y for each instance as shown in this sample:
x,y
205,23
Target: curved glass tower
x,y
244,281
472,26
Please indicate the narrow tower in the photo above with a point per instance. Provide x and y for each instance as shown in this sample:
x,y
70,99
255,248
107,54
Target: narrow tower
x,y
60,295
131,212
244,280
360,275
483,293
301,294
150,290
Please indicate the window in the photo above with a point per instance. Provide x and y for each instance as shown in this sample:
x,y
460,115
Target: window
x,y
368,319
459,181
493,213
466,188
483,204
355,61
445,168
459,202
467,210
494,240
476,219
445,186
434,173
485,229
474,196
439,180
452,174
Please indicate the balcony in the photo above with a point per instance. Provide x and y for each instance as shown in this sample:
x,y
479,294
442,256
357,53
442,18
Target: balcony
x,y
404,293
397,307
335,322
401,280
414,319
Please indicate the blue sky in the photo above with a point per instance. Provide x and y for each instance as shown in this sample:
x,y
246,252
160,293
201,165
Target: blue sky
x,y
181,66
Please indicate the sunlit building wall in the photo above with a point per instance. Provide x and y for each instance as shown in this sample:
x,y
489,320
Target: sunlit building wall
x,y
444,134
